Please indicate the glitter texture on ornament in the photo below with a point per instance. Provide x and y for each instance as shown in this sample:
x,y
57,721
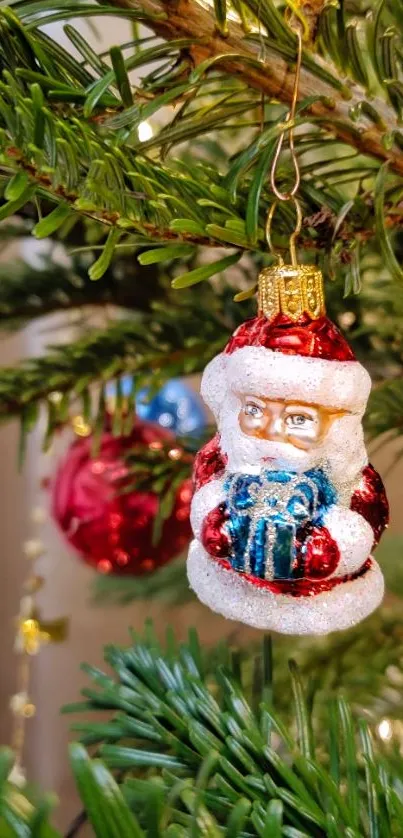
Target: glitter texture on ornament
x,y
286,508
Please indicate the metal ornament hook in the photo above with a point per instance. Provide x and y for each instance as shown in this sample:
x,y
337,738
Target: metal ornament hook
x,y
294,234
289,128
290,195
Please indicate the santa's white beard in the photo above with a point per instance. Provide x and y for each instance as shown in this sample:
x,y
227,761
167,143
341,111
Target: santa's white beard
x,y
249,455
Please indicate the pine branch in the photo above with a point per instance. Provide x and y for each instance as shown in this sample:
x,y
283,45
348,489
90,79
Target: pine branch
x,y
96,167
22,811
153,347
208,742
28,292
323,222
183,717
71,369
334,102
169,585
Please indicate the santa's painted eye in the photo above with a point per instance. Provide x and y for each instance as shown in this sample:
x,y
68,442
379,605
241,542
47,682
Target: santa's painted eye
x,y
252,409
298,420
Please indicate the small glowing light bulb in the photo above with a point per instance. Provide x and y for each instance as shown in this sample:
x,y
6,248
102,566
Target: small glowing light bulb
x,y
145,131
385,729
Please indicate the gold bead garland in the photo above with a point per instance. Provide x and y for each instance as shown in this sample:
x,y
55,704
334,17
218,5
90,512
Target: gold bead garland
x,y
32,633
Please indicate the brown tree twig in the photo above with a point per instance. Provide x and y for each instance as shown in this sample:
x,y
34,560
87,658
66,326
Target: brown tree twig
x,y
75,826
191,19
323,221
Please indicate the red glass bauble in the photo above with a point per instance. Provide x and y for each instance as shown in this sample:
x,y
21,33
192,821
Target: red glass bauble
x,y
112,530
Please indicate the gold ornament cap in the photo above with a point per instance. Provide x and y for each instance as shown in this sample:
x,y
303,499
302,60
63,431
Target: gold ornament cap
x,y
291,290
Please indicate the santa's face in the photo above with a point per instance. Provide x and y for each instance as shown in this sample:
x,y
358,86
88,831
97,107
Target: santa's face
x,y
261,433
299,424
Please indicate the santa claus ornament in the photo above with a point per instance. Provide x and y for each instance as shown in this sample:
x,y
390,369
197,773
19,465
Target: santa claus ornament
x,y
286,508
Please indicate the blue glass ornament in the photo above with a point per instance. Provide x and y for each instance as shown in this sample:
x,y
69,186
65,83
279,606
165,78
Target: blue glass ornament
x,y
175,407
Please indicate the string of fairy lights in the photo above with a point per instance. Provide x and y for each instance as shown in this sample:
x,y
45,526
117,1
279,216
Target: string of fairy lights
x,y
32,633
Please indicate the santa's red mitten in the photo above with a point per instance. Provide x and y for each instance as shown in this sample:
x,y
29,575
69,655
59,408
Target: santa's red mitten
x,y
318,554
214,535
369,500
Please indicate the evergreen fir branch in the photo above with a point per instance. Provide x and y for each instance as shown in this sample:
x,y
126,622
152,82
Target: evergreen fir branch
x,y
239,57
181,716
95,167
28,292
196,232
154,348
186,750
169,584
22,813
213,228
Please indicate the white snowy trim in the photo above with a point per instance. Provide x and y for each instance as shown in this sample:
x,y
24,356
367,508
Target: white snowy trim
x,y
353,535
213,386
225,592
203,501
260,371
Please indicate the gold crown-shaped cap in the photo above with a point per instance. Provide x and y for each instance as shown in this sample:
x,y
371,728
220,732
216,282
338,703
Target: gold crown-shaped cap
x,y
291,290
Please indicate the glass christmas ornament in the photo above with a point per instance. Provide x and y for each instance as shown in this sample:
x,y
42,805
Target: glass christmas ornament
x,y
286,508
110,529
176,406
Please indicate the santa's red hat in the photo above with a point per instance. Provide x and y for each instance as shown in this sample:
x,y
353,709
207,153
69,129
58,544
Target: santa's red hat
x,y
291,350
